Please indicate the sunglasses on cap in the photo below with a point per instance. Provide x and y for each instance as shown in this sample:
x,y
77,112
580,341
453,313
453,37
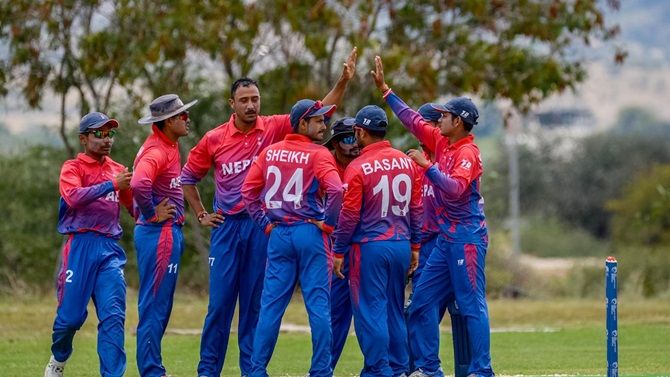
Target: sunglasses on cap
x,y
100,134
316,106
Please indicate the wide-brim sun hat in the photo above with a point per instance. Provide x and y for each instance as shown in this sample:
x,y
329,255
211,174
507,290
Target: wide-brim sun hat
x,y
164,107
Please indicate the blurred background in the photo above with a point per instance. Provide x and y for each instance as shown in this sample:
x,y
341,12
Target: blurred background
x,y
574,126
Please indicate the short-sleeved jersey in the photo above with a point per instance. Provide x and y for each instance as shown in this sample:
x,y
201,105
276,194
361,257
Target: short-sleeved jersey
x,y
382,199
90,198
456,177
232,152
289,181
156,176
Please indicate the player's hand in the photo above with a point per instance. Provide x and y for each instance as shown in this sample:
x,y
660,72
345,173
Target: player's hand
x,y
164,211
418,157
414,261
212,220
123,179
349,69
321,225
337,267
378,75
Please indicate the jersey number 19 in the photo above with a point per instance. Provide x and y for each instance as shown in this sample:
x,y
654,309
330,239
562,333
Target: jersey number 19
x,y
401,186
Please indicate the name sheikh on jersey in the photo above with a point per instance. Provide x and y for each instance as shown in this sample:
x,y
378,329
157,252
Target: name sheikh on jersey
x,y
386,164
281,155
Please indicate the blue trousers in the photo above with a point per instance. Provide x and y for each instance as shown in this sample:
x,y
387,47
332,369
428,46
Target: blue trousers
x,y
296,253
378,270
340,311
237,258
452,269
159,250
92,267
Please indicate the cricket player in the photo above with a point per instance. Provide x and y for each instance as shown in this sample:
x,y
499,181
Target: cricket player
x,y
430,232
456,265
380,227
344,147
238,246
158,236
93,187
294,193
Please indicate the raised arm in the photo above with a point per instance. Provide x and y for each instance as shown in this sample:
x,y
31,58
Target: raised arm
x,y
412,120
334,97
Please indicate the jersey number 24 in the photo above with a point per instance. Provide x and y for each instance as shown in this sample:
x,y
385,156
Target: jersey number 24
x,y
292,192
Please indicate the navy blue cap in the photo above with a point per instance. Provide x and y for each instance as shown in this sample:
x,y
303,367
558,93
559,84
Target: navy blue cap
x,y
429,113
462,107
344,126
95,120
372,118
164,107
307,108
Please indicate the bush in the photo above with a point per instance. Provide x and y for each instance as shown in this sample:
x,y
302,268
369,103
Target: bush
x,y
549,237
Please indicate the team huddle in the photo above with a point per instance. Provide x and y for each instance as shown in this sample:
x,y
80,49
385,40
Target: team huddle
x,y
348,217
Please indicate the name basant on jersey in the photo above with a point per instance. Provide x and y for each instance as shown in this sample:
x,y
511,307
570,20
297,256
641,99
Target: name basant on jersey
x,y
386,164
282,155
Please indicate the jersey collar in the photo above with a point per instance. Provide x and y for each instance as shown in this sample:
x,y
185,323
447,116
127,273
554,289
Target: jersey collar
x,y
376,146
162,136
90,160
297,137
470,139
259,125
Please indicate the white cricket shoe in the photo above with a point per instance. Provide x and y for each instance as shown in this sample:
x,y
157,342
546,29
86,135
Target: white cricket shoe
x,y
418,373
54,368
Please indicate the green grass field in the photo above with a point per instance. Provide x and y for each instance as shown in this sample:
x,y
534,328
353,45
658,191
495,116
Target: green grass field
x,y
529,338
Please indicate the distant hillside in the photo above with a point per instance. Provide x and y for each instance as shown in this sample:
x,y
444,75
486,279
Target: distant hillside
x,y
12,142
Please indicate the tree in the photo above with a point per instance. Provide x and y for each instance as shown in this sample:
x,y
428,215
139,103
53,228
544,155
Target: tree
x,y
114,56
517,50
641,230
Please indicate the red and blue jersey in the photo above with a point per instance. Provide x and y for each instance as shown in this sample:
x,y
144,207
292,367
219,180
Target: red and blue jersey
x,y
156,176
232,152
430,227
90,197
293,181
456,177
382,199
